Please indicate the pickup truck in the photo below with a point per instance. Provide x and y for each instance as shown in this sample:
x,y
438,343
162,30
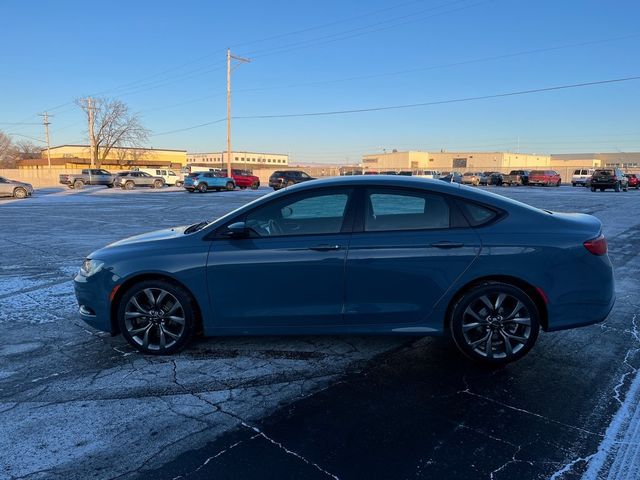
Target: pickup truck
x,y
245,179
89,176
545,178
516,177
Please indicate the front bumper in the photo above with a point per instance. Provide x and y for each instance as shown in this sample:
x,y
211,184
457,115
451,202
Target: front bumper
x,y
94,305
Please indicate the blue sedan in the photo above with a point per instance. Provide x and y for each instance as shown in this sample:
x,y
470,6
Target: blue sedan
x,y
357,255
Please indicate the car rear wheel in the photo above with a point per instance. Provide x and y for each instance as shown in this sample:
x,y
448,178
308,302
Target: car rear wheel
x,y
19,193
179,184
129,185
617,187
158,184
593,189
202,187
256,185
495,323
230,186
157,317
78,184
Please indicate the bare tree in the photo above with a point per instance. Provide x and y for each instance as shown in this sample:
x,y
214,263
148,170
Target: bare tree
x,y
114,126
131,155
7,151
24,149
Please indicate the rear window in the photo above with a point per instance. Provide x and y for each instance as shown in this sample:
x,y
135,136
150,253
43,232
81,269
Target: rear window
x,y
603,172
538,172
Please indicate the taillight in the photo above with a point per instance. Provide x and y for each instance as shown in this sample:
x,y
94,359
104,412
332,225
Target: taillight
x,y
597,246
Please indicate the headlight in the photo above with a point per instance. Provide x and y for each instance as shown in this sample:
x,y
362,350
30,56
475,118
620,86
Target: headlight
x,y
90,267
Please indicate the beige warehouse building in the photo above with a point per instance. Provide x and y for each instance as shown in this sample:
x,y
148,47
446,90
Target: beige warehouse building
x,y
454,161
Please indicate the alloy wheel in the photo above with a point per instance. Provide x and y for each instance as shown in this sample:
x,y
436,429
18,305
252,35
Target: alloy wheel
x,y
496,326
154,319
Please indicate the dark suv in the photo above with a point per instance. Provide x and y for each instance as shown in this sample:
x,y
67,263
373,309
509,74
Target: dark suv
x,y
608,178
285,178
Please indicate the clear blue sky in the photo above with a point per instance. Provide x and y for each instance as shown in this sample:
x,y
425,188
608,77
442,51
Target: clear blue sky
x,y
166,60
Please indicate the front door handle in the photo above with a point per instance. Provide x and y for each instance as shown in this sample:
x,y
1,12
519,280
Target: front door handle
x,y
447,245
324,248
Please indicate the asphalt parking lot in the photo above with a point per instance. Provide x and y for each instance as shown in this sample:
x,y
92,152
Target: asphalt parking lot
x,y
76,403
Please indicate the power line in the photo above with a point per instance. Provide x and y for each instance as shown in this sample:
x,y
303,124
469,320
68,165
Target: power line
x,y
442,102
189,128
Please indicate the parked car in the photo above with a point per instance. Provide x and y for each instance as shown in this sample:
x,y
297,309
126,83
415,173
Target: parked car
x,y
453,177
14,188
545,178
604,178
580,176
132,179
481,273
434,174
203,181
516,177
286,178
495,178
485,177
471,178
245,179
170,177
633,181
89,176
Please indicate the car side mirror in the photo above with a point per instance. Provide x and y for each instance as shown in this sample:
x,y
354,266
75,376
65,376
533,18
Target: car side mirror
x,y
237,229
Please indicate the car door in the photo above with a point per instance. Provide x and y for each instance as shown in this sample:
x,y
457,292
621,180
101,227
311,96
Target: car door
x,y
289,270
408,247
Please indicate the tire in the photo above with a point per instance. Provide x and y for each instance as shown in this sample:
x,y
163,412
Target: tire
x,y
573,184
242,188
109,185
230,186
179,184
624,189
19,192
559,182
490,335
256,186
617,187
150,309
78,184
602,189
129,185
158,184
202,187
593,189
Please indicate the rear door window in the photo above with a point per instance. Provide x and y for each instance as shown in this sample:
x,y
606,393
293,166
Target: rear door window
x,y
390,210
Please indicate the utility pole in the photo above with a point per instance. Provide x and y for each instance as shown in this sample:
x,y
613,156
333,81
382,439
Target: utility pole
x,y
45,122
92,135
229,69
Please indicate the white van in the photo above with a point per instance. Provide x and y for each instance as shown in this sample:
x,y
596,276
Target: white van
x,y
171,178
435,174
580,176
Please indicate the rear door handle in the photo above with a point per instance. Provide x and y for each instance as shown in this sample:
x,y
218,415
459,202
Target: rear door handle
x,y
324,248
447,245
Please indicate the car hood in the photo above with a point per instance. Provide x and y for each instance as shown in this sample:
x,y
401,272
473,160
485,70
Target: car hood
x,y
155,236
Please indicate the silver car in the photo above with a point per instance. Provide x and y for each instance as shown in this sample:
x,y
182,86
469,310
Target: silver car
x,y
132,179
13,188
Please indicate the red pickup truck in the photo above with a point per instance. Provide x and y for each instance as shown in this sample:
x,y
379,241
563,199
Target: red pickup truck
x,y
545,178
245,179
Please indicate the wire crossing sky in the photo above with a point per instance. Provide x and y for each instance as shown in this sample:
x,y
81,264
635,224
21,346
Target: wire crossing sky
x,y
315,62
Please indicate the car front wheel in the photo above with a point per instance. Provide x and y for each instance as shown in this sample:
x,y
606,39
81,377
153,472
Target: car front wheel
x,y
230,186
202,187
495,323
19,193
157,317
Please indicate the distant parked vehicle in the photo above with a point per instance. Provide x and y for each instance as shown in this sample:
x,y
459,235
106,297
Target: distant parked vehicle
x,y
285,178
545,178
604,178
170,177
89,176
204,181
453,177
435,174
485,177
494,178
516,177
581,176
245,179
634,181
471,178
14,188
132,179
